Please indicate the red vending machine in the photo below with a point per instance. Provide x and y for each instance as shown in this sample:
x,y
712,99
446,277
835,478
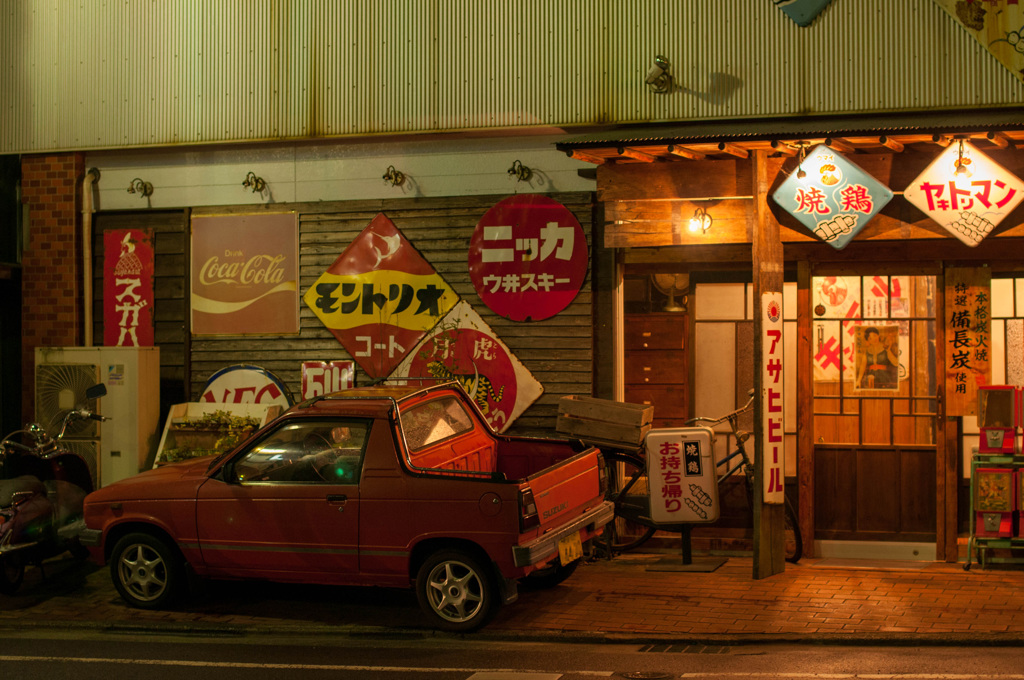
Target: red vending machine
x,y
994,502
999,416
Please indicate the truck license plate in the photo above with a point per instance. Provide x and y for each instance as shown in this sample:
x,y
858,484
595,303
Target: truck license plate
x,y
570,548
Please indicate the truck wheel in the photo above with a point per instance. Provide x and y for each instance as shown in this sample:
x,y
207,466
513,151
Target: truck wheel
x,y
146,571
549,577
11,574
456,591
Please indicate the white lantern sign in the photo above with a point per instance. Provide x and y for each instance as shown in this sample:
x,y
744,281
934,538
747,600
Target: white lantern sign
x,y
966,192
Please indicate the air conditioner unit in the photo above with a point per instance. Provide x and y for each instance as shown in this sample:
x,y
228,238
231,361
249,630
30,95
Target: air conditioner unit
x,y
125,444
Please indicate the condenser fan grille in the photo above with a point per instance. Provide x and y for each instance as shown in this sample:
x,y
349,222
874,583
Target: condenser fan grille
x,y
61,388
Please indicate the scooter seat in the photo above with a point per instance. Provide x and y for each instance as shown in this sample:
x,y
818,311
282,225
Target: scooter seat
x,y
9,487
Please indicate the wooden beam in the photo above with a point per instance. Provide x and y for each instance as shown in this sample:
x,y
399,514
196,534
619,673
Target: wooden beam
x,y
732,150
585,157
999,139
890,143
769,530
942,140
839,145
683,152
636,155
784,148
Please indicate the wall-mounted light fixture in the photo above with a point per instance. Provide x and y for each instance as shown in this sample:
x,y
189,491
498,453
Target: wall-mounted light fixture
x,y
701,221
393,177
659,78
256,184
520,172
143,189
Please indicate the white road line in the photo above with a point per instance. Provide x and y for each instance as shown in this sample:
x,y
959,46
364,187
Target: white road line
x,y
283,666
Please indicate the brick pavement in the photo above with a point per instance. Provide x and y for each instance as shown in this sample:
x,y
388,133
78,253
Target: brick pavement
x,y
619,599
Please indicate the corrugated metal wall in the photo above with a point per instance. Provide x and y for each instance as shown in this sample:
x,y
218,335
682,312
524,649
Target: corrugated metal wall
x,y
139,73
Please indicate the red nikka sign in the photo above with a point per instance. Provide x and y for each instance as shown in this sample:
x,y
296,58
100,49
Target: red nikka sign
x,y
528,257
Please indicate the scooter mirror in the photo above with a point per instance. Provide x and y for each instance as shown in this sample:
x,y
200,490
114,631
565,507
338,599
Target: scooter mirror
x,y
96,391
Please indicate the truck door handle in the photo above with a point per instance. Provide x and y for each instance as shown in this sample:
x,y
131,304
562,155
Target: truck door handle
x,y
337,498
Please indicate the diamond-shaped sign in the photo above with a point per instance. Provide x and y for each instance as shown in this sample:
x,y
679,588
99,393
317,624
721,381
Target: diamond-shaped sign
x,y
966,192
464,348
380,297
834,198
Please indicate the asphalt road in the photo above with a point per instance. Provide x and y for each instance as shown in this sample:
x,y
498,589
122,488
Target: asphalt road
x,y
84,655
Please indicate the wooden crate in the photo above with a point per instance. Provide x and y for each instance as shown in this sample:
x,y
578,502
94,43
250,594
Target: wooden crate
x,y
603,421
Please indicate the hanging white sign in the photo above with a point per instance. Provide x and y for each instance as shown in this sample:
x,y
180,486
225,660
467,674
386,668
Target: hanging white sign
x,y
966,192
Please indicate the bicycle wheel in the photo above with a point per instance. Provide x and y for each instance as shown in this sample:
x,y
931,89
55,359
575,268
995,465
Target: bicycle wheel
x,y
794,542
627,489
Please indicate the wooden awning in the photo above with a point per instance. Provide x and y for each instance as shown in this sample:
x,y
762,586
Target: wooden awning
x,y
699,140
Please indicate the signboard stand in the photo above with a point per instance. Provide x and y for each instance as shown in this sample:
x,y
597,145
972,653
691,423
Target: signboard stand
x,y
701,564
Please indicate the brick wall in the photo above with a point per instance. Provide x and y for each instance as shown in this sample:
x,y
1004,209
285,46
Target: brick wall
x,y
51,267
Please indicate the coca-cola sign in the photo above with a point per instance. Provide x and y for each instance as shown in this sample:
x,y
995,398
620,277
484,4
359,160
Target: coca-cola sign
x,y
245,274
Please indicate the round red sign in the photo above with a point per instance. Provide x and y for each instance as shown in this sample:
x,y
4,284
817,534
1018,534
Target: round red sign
x,y
528,257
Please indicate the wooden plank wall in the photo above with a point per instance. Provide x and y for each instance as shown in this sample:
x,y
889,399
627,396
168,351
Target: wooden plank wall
x,y
558,351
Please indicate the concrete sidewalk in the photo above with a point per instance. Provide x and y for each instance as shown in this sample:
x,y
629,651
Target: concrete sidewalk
x,y
614,600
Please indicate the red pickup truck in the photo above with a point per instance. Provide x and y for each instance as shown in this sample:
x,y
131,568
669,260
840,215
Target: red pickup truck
x,y
384,486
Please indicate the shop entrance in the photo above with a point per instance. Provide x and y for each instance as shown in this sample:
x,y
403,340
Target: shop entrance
x,y
876,401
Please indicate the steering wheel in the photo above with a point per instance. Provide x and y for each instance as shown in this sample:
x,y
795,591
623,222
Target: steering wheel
x,y
315,443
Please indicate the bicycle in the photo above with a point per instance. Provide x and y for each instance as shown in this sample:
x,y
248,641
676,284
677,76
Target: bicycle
x,y
794,546
628,489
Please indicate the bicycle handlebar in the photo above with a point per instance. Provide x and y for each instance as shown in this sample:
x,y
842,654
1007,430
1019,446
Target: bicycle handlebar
x,y
727,416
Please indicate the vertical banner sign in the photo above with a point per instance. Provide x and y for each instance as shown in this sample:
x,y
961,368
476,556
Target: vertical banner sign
x,y
128,288
831,196
773,421
324,377
528,257
380,297
968,337
245,272
464,348
965,192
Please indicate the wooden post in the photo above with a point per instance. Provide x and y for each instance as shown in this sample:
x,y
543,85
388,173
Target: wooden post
x,y
769,549
805,408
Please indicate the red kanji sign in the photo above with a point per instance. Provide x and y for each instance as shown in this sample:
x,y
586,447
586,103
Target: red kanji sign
x,y
528,257
380,297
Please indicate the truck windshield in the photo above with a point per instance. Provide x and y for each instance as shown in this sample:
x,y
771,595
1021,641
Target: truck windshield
x,y
433,421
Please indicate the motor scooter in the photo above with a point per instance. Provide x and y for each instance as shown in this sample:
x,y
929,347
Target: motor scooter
x,y
42,488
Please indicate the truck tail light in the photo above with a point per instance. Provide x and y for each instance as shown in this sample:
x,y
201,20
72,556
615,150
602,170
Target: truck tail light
x,y
602,474
528,518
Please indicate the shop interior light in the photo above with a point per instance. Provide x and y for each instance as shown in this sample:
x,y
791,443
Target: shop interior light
x,y
257,184
142,188
701,221
393,177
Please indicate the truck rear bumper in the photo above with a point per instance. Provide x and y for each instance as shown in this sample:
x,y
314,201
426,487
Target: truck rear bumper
x,y
541,548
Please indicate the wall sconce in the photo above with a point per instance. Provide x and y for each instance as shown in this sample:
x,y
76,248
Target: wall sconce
x,y
962,164
144,189
257,184
701,221
520,172
659,80
393,177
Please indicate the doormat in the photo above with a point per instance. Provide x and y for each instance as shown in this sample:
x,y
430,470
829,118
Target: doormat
x,y
883,565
